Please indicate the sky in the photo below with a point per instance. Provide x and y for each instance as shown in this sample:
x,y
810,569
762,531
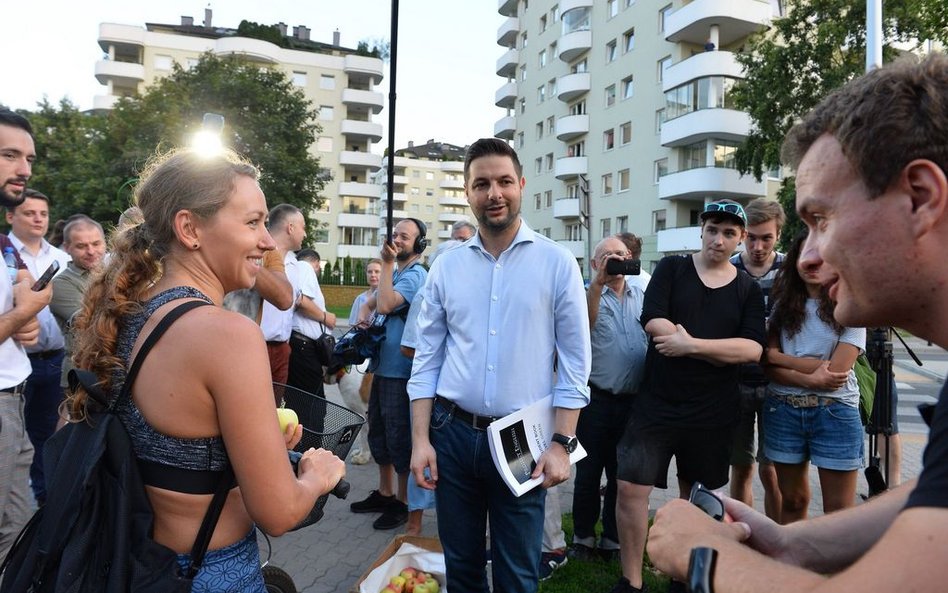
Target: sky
x,y
447,51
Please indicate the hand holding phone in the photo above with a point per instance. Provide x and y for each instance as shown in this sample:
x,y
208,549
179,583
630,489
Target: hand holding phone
x,y
46,277
625,267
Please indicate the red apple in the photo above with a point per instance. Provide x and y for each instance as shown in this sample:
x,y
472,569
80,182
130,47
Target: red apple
x,y
388,589
409,572
397,583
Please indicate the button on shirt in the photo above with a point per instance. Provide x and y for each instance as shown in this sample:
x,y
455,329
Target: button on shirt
x,y
489,329
619,342
275,324
50,337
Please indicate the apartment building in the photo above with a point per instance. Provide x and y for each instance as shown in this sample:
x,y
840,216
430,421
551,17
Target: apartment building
x,y
339,83
620,112
428,185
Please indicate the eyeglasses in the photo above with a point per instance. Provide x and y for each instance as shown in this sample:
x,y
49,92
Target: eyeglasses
x,y
729,207
706,500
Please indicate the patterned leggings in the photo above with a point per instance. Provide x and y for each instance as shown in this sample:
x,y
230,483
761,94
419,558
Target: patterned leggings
x,y
232,569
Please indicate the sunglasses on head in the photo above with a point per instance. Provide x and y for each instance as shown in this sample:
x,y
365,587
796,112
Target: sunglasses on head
x,y
706,500
728,207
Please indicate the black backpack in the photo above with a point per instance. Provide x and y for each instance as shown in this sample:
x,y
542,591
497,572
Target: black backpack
x,y
94,532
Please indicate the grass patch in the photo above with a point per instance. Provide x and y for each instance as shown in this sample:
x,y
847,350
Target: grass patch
x,y
341,313
596,576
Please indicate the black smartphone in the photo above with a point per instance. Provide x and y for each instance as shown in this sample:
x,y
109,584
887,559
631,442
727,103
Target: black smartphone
x,y
47,276
626,267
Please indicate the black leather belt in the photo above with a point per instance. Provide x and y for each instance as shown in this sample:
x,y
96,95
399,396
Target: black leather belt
x,y
16,390
475,420
46,354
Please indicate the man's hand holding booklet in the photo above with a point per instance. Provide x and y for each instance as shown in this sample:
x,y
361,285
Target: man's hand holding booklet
x,y
518,440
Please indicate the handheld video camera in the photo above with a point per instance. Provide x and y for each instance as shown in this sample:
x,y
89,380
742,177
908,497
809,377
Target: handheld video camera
x,y
626,267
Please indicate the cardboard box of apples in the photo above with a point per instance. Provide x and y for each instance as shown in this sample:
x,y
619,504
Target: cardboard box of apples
x,y
409,564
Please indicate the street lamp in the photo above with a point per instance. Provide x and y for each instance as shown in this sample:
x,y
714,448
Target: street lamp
x,y
207,141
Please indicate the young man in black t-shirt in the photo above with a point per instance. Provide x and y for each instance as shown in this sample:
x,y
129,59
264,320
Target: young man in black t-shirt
x,y
705,317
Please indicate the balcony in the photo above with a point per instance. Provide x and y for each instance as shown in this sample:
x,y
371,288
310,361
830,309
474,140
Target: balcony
x,y
452,201
507,32
357,251
506,96
572,45
360,190
444,234
507,7
703,65
736,19
568,5
126,73
120,35
507,64
505,127
577,248
363,69
723,124
452,217
365,221
360,99
570,166
572,86
452,183
566,208
571,126
361,130
399,179
710,182
452,166
252,50
399,197
104,101
355,158
684,239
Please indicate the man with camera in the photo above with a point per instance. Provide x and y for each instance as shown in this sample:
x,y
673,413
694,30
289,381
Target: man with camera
x,y
619,343
705,318
874,154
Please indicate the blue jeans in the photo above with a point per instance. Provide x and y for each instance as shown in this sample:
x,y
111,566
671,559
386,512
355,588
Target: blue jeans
x,y
469,491
599,429
43,395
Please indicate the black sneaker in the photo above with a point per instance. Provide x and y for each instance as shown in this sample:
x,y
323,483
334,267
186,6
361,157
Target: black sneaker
x,y
550,561
581,552
624,586
395,515
375,503
608,555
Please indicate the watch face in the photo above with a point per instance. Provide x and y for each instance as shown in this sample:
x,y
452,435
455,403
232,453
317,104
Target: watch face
x,y
569,443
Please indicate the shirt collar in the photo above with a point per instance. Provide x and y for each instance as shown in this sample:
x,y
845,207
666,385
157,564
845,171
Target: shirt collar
x,y
45,246
524,235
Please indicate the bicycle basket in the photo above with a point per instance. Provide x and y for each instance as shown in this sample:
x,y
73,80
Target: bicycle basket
x,y
326,425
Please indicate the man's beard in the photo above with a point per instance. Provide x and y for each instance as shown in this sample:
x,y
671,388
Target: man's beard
x,y
404,256
11,201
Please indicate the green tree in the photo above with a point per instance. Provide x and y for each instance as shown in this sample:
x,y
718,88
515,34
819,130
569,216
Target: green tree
x,y
818,46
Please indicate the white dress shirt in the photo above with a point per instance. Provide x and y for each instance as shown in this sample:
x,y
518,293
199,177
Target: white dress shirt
x,y
50,337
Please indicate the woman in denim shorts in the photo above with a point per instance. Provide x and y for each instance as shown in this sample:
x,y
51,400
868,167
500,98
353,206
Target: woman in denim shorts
x,y
812,409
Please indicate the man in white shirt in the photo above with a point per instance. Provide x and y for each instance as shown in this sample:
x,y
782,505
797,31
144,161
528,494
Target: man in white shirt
x,y
18,328
29,222
497,311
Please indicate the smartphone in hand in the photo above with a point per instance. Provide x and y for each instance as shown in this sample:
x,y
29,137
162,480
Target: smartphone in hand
x,y
46,277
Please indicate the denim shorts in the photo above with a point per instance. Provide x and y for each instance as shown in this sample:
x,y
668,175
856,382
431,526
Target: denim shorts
x,y
829,436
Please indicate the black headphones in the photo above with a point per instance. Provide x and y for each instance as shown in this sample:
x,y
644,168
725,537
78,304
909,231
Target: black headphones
x,y
421,242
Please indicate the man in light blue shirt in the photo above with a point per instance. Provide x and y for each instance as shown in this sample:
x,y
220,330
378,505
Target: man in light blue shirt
x,y
498,311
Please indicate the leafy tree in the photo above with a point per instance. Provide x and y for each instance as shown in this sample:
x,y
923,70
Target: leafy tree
x,y
818,46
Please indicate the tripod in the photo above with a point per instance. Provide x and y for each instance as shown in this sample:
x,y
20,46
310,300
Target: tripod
x,y
879,353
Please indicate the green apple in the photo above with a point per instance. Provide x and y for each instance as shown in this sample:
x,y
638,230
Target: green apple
x,y
287,417
422,588
431,584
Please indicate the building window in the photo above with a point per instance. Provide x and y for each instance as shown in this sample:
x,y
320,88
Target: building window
x,y
325,112
574,232
550,125
523,105
628,88
429,175
710,92
327,82
610,95
523,40
546,232
658,221
554,51
542,23
549,161
663,14
578,67
324,144
541,94
539,127
519,139
429,208
607,184
191,63
299,79
536,201
523,71
612,8
629,3
611,51
555,13
606,227
659,120
577,149
321,236
551,88
578,108
576,19
628,40
724,153
661,169
538,165
625,133
624,180
542,58
663,65
609,139
414,207
622,224
548,198
416,191
163,62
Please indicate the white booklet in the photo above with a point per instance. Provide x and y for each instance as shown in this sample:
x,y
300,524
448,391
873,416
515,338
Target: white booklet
x,y
518,440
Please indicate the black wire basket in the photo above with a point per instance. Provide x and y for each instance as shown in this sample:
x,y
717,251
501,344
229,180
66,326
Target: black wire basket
x,y
326,425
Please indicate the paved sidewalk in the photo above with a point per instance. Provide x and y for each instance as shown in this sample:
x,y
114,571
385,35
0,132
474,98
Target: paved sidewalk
x,y
329,557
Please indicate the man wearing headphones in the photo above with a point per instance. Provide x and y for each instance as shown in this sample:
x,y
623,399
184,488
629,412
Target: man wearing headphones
x,y
389,409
